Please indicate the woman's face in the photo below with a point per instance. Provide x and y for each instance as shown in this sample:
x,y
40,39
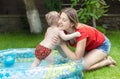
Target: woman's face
x,y
64,22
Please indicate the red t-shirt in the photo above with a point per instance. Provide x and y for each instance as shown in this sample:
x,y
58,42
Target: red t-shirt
x,y
94,37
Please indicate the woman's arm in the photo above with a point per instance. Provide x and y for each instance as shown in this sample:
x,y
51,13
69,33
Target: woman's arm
x,y
68,36
61,52
79,52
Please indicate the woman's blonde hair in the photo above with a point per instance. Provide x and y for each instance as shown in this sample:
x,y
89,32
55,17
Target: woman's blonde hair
x,y
52,17
72,15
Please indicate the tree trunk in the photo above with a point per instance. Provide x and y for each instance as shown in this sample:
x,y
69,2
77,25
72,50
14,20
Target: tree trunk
x,y
33,16
94,22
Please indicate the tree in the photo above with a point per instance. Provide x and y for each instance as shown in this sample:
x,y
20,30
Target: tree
x,y
90,10
33,16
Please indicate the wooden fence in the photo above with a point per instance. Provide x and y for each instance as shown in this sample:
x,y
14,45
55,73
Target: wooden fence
x,y
16,20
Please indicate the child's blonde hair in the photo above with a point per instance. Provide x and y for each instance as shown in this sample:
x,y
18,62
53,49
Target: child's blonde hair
x,y
52,18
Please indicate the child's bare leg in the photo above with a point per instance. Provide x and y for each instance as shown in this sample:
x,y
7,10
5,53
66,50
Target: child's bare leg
x,y
35,63
50,58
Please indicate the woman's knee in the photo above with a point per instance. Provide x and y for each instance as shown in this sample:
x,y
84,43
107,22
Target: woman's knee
x,y
93,57
85,64
87,67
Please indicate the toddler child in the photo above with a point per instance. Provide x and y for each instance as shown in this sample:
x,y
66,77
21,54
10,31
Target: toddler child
x,y
47,44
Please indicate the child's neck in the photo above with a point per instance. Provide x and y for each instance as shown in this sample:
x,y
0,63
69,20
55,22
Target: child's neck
x,y
53,25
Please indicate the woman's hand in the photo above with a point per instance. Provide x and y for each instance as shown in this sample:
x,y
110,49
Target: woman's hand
x,y
55,39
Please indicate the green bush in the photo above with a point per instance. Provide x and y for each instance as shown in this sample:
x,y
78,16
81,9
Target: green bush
x,y
53,5
102,29
90,9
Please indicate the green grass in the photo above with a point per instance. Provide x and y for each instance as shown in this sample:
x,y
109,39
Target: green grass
x,y
26,40
19,40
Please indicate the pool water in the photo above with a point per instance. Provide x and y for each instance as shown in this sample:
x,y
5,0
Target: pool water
x,y
63,68
25,65
19,65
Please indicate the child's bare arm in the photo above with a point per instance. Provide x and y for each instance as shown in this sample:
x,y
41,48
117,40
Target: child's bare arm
x,y
68,36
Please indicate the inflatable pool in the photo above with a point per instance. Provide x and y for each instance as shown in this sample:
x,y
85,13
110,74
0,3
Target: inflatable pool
x,y
15,64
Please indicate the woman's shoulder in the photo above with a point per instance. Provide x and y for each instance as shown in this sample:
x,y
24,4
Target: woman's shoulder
x,y
81,25
83,29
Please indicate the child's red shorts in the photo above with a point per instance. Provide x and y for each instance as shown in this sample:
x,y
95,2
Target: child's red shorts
x,y
42,52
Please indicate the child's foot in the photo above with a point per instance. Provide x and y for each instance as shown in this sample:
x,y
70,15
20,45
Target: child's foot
x,y
113,62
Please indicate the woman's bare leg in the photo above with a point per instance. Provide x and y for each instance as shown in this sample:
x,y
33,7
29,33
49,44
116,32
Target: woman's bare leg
x,y
113,62
96,59
102,63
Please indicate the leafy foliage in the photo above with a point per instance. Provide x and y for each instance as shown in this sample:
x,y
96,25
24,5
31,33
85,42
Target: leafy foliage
x,y
53,5
102,29
90,8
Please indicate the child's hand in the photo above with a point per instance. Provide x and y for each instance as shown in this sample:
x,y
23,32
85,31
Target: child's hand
x,y
77,34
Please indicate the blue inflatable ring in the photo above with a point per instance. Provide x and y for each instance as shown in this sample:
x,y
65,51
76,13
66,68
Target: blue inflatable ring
x,y
62,69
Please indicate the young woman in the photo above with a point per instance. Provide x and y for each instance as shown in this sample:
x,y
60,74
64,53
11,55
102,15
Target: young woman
x,y
92,45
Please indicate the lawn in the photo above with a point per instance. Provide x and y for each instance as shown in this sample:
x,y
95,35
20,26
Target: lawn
x,y
19,40
26,40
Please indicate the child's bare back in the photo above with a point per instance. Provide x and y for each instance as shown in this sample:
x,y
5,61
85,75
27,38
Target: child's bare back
x,y
50,34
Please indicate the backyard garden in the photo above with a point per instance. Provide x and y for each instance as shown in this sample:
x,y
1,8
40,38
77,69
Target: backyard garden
x,y
92,12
